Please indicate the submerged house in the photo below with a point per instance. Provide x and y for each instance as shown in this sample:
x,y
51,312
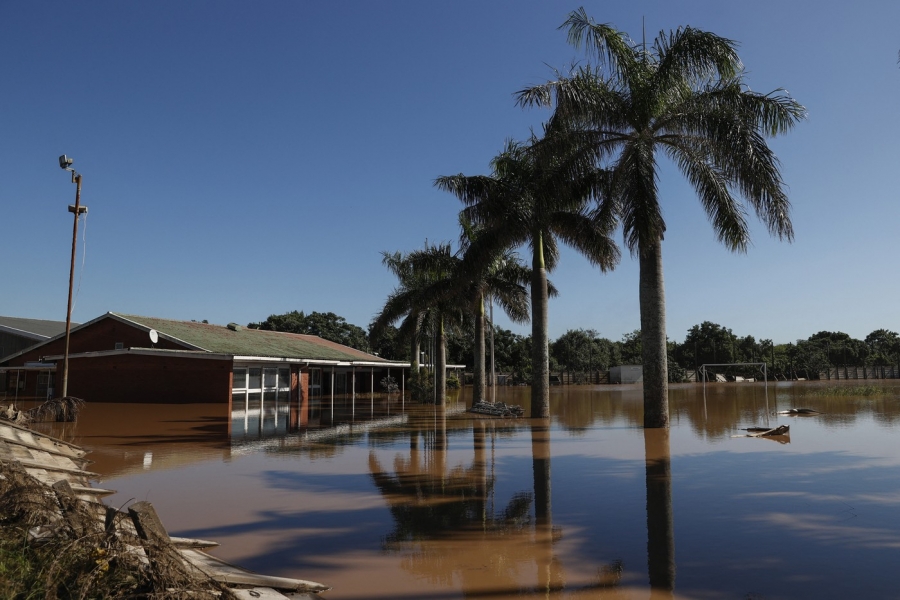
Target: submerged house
x,y
127,358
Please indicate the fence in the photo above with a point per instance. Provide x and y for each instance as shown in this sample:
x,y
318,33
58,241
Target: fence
x,y
581,377
876,372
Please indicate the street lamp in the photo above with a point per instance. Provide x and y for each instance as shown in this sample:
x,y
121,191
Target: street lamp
x,y
65,163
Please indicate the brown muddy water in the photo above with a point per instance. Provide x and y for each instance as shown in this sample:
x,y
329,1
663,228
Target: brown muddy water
x,y
418,502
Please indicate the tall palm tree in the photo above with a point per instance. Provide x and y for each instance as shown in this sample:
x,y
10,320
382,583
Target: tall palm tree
x,y
502,276
428,292
683,97
535,198
410,329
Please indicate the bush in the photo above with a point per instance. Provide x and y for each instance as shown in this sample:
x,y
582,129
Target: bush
x,y
453,382
421,386
389,385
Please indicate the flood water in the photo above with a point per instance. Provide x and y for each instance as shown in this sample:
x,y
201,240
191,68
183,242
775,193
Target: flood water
x,y
426,502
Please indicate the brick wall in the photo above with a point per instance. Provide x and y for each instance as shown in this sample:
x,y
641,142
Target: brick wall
x,y
141,378
102,335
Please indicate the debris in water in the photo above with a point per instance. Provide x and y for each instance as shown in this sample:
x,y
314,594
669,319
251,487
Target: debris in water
x,y
500,409
767,431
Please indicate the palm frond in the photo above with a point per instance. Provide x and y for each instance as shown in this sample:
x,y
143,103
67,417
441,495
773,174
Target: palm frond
x,y
589,236
610,46
692,55
725,213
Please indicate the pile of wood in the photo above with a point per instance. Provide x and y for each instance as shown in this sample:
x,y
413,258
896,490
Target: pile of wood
x,y
45,489
499,409
64,410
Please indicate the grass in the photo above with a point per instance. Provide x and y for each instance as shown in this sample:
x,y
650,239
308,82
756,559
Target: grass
x,y
856,390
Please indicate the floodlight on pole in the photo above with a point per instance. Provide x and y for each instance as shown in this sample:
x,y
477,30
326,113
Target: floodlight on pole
x,y
65,163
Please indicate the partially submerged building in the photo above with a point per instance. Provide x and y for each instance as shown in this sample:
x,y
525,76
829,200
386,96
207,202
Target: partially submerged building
x,y
127,358
626,374
16,334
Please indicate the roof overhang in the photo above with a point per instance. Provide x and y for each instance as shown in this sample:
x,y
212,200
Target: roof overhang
x,y
30,368
321,362
192,354
22,333
204,355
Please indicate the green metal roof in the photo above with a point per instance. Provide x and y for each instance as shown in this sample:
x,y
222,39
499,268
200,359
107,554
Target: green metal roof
x,y
249,342
37,329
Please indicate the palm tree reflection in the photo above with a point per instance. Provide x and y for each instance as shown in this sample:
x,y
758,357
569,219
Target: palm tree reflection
x,y
660,528
442,520
447,530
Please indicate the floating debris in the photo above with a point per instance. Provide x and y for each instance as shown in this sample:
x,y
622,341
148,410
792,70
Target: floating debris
x,y
766,431
799,411
780,434
499,409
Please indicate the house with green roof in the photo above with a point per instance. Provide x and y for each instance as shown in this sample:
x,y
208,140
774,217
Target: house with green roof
x,y
128,358
17,334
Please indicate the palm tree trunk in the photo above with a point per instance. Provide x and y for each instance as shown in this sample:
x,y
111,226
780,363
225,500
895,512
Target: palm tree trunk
x,y
653,336
660,527
414,358
440,377
478,385
540,350
414,350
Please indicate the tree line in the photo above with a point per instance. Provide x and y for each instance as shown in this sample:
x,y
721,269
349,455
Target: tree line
x,y
591,169
583,351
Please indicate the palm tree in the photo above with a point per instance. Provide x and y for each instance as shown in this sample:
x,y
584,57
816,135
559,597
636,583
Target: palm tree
x,y
398,264
535,198
500,275
428,292
684,97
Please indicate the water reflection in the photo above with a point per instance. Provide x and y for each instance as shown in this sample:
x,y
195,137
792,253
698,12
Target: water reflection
x,y
443,519
660,520
428,502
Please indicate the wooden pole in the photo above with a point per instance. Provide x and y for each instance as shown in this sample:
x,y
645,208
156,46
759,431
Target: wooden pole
x,y
77,211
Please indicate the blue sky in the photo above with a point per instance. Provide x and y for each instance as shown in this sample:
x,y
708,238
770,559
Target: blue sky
x,y
242,159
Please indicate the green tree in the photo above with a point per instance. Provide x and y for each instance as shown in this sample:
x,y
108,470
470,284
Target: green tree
x,y
494,271
708,343
884,347
328,326
834,348
512,353
536,198
387,343
411,326
631,348
684,97
582,351
429,295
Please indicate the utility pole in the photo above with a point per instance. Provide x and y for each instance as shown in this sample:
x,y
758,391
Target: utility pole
x,y
66,164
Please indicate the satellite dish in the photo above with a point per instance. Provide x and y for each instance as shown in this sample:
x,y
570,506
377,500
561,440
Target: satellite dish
x,y
154,337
